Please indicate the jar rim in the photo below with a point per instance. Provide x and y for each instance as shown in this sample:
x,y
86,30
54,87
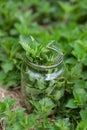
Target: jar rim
x,y
44,67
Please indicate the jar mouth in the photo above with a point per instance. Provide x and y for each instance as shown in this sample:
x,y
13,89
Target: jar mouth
x,y
44,67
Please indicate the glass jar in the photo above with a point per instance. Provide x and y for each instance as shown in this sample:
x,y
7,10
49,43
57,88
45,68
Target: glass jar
x,y
39,81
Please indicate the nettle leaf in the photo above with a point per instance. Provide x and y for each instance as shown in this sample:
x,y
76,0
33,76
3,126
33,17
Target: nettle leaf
x,y
30,45
36,105
33,91
84,76
25,41
76,71
2,107
71,104
44,106
79,95
63,124
70,60
83,114
84,44
46,102
41,84
78,51
9,103
85,60
82,125
80,83
66,6
2,76
31,120
8,43
7,66
58,94
50,88
78,99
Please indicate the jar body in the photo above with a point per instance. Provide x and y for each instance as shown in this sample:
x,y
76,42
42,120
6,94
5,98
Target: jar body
x,y
38,84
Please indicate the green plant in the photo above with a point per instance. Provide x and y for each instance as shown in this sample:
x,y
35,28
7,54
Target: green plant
x,y
41,82
10,73
66,22
39,53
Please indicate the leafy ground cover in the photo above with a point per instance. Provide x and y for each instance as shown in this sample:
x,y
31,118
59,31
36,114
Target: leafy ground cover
x,y
65,22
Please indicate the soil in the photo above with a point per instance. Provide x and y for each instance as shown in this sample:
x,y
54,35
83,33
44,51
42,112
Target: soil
x,y
13,94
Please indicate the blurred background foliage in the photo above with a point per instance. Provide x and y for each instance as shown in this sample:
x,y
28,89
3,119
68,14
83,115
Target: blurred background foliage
x,y
62,20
